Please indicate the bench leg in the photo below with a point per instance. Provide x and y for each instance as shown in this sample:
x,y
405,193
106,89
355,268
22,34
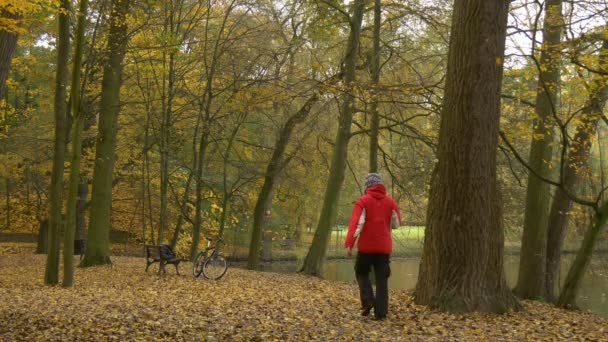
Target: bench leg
x,y
148,265
176,268
162,267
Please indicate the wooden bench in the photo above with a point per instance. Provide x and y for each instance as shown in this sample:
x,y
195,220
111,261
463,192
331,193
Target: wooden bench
x,y
154,253
287,243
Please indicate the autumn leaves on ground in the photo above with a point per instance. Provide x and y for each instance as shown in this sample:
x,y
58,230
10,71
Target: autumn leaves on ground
x,y
124,303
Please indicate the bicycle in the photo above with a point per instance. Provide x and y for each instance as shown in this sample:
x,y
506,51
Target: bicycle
x,y
212,266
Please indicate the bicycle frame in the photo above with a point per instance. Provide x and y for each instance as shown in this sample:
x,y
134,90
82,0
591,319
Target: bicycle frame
x,y
215,247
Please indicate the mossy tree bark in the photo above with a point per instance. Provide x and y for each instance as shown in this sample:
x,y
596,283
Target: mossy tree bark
x,y
77,128
98,237
462,263
51,274
316,254
532,262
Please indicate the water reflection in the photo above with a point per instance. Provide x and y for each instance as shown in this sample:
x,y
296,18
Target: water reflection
x,y
593,293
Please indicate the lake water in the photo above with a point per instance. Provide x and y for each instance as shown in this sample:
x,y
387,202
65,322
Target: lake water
x,y
593,293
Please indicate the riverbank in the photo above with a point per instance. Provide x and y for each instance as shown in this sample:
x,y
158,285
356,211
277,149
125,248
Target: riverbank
x,y
122,302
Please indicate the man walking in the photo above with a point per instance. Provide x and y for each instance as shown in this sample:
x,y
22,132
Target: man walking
x,y
374,214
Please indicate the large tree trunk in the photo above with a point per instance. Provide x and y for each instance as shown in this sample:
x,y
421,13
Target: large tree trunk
x,y
98,237
275,165
578,156
462,263
532,262
375,69
8,43
51,275
567,297
77,128
316,254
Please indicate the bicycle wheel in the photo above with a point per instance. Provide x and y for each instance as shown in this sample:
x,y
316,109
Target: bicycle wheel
x,y
215,267
197,265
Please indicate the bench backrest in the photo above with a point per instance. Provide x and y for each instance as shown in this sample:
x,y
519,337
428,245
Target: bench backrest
x,y
153,252
157,252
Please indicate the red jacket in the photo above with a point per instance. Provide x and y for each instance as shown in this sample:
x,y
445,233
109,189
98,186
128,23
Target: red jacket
x,y
375,235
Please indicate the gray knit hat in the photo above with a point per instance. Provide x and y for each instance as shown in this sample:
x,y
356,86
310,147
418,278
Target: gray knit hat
x,y
372,179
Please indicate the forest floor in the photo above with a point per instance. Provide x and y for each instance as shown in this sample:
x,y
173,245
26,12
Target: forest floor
x,y
123,303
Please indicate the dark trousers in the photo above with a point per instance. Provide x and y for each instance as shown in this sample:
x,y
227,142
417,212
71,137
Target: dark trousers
x,y
363,266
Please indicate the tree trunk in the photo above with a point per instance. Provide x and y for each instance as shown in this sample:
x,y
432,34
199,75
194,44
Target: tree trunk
x,y
275,165
165,139
42,247
51,276
205,107
316,254
578,156
462,263
8,203
532,262
567,297
198,214
77,128
81,205
98,237
375,116
8,44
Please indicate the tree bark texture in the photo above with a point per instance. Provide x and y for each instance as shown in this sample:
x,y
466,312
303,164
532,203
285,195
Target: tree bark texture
x,y
98,237
274,167
316,254
51,275
462,263
8,44
532,262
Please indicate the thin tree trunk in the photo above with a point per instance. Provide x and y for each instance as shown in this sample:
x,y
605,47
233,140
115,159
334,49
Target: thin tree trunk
x,y
316,254
51,276
143,192
98,237
532,262
205,107
8,44
275,165
42,247
462,264
8,204
77,128
578,157
567,297
198,206
375,116
81,207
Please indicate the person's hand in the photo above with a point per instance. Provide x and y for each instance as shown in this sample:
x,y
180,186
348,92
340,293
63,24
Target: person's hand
x,y
349,251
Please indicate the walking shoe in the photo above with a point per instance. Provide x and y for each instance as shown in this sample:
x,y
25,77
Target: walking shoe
x,y
365,310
